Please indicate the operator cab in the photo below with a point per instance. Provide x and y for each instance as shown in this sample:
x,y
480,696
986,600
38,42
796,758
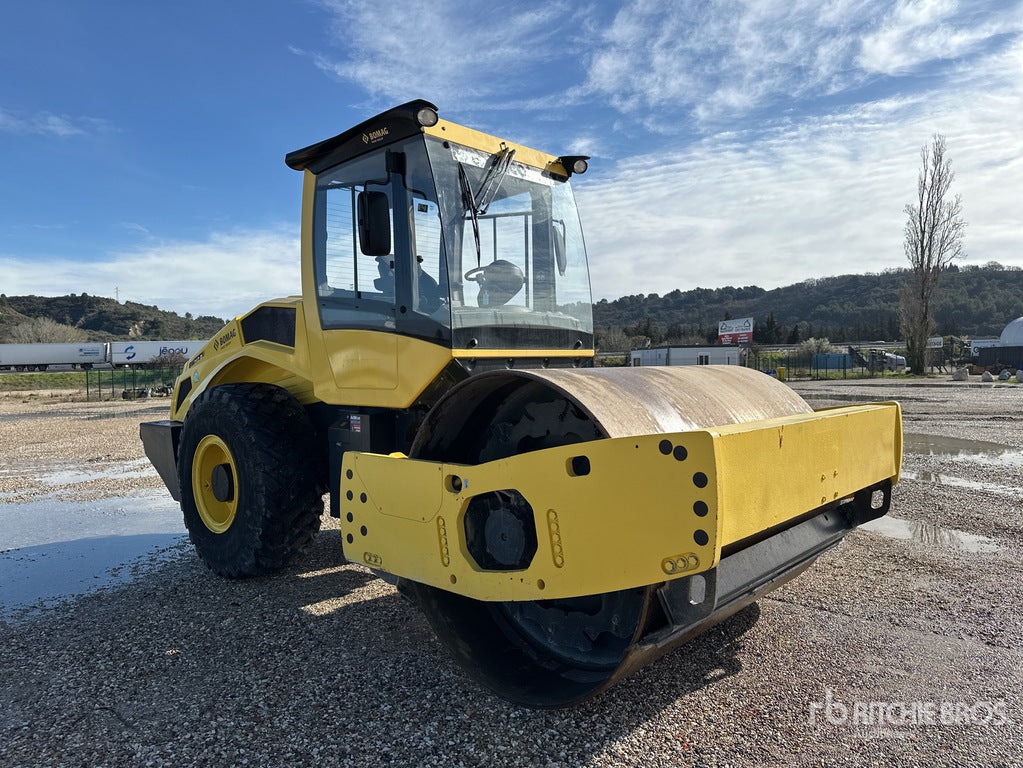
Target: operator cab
x,y
431,230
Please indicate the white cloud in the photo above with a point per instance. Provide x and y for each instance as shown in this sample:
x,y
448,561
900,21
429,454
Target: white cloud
x,y
770,202
223,276
134,226
713,59
917,32
810,199
463,54
48,124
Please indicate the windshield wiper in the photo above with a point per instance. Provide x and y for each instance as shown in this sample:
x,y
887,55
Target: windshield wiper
x,y
492,179
470,205
479,202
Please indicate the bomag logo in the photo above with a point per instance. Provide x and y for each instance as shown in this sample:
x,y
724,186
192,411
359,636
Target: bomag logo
x,y
374,136
224,338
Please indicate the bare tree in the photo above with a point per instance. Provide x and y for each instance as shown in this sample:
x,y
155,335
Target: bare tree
x,y
43,330
169,360
934,237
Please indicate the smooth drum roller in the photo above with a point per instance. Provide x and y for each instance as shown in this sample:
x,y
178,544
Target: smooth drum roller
x,y
552,653
561,525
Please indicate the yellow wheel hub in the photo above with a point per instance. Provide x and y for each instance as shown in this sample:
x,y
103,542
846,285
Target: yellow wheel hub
x,y
215,483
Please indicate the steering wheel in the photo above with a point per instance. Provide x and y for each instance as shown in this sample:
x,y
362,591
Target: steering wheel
x,y
474,273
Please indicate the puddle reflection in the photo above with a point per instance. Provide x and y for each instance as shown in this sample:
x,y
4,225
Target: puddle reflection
x,y
980,451
937,478
928,533
74,475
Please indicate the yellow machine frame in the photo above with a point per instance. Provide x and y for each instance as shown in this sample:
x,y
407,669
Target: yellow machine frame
x,y
619,513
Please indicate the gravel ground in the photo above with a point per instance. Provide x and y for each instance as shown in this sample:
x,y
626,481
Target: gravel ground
x,y
889,651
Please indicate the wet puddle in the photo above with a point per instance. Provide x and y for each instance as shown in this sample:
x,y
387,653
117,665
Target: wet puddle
x,y
53,548
848,397
36,415
978,451
161,410
50,519
927,533
67,473
121,471
36,578
970,452
938,478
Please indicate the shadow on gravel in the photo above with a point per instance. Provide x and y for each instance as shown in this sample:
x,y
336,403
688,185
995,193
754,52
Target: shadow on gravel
x,y
321,664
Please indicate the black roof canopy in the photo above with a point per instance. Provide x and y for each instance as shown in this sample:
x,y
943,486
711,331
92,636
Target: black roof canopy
x,y
396,123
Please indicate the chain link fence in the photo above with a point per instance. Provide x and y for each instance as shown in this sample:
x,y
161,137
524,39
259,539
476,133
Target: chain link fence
x,y
809,366
96,384
129,383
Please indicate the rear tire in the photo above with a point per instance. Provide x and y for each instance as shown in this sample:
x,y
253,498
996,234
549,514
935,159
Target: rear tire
x,y
251,479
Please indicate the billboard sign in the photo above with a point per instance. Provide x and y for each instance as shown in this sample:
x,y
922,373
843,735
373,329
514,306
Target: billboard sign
x,y
736,331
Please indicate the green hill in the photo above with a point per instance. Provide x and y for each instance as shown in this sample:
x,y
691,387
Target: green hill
x,y
971,302
104,319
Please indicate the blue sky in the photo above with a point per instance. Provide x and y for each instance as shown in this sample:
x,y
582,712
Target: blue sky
x,y
142,143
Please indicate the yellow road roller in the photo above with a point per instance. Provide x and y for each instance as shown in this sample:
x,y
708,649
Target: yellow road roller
x,y
560,525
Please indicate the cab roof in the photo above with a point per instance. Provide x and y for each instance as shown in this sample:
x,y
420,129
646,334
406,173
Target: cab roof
x,y
401,122
396,123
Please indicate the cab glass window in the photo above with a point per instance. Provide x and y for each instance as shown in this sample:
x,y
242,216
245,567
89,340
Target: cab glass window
x,y
378,251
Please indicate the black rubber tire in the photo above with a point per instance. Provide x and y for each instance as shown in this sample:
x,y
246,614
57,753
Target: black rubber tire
x,y
545,653
277,490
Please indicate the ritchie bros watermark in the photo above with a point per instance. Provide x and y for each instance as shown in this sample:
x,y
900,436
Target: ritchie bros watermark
x,y
904,714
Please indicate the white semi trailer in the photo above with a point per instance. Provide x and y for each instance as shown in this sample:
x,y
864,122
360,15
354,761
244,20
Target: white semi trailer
x,y
39,357
86,355
143,352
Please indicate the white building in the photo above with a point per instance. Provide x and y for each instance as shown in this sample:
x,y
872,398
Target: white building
x,y
702,355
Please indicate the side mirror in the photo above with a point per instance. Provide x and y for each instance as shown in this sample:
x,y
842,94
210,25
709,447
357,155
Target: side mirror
x,y
374,223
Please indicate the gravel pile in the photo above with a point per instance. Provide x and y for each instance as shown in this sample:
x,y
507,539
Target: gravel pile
x,y
889,651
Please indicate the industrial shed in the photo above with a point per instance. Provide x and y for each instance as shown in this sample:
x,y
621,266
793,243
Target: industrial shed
x,y
1009,351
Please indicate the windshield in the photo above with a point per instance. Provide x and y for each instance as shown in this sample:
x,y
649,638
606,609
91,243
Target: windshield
x,y
516,259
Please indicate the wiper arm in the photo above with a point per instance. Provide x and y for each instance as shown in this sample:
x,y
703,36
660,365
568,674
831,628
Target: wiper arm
x,y
469,203
491,183
477,203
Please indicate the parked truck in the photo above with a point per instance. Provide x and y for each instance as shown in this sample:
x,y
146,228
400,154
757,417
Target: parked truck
x,y
87,355
40,357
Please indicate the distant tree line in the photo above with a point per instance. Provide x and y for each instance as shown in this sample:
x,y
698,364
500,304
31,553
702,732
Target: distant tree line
x,y
975,301
42,330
